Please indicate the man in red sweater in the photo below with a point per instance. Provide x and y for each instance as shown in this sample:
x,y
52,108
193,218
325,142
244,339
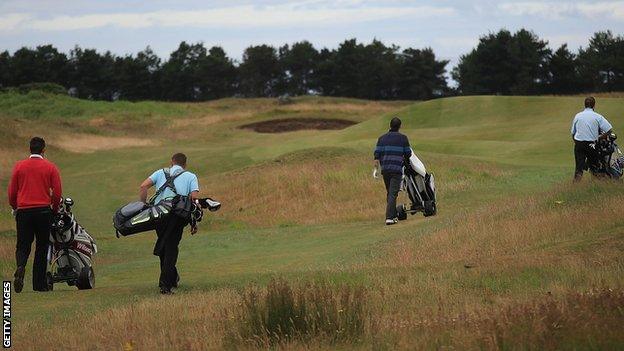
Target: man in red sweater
x,y
34,194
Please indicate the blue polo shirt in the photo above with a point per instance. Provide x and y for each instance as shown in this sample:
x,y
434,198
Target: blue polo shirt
x,y
392,150
185,184
588,125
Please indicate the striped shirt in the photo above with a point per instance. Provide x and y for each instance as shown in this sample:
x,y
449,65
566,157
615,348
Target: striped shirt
x,y
392,150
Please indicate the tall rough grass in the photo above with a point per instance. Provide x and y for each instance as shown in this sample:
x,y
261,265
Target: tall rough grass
x,y
590,320
192,321
312,311
327,185
320,317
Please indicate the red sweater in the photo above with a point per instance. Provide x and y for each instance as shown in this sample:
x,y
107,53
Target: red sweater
x,y
35,182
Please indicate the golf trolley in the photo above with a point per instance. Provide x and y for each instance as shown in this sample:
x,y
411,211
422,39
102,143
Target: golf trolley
x,y
69,254
608,160
420,188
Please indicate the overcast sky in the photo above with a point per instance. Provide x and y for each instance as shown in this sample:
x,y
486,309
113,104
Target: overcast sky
x,y
450,27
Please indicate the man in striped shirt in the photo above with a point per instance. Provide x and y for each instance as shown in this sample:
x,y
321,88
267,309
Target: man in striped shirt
x,y
393,149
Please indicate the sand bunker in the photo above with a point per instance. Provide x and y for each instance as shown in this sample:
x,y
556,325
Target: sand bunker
x,y
85,143
293,124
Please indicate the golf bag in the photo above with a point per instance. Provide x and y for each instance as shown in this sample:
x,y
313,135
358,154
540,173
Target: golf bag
x,y
197,213
420,188
608,160
70,252
139,217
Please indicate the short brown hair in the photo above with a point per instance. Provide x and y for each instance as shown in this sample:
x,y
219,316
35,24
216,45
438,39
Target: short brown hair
x,y
179,159
37,144
395,123
590,102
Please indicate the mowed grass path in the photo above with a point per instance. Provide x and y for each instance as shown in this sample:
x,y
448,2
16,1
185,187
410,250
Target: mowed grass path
x,y
304,206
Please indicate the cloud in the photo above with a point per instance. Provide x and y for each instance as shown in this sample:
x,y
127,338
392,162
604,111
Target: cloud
x,y
308,13
12,21
574,41
459,42
613,9
558,10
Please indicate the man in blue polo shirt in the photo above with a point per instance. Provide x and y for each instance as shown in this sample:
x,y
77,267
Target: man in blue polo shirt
x,y
169,232
392,150
587,127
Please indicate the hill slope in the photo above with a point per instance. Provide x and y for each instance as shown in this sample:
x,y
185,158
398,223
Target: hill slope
x,y
513,245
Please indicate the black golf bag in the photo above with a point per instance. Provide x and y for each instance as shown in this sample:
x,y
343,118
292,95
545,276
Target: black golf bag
x,y
139,217
608,160
70,252
420,189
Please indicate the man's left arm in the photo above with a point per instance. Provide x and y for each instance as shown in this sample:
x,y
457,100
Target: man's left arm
x,y
147,183
13,187
377,153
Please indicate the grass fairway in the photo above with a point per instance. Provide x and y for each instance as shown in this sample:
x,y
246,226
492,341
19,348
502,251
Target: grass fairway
x,y
517,258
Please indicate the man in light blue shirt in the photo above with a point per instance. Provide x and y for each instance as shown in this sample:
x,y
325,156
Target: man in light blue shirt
x,y
587,127
169,231
185,183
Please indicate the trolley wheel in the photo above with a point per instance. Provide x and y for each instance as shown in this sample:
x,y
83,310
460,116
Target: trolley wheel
x,y
430,209
49,281
401,213
86,280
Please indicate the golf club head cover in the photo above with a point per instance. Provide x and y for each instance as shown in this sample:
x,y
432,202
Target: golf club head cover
x,y
210,204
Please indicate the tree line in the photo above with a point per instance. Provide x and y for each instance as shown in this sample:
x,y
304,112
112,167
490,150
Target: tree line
x,y
521,63
502,63
196,73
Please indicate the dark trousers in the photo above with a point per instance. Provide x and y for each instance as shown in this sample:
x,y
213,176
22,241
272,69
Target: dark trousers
x,y
393,184
34,223
584,155
169,235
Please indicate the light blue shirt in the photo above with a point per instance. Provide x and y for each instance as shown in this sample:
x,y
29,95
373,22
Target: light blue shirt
x,y
185,184
588,125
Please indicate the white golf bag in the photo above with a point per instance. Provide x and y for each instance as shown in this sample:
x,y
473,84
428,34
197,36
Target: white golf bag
x,y
70,251
420,188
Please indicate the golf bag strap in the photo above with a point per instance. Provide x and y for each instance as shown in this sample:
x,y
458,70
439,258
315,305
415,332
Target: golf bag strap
x,y
168,184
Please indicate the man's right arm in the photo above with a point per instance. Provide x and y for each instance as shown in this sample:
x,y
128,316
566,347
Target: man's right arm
x,y
194,195
407,149
57,188
13,186
605,126
194,188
